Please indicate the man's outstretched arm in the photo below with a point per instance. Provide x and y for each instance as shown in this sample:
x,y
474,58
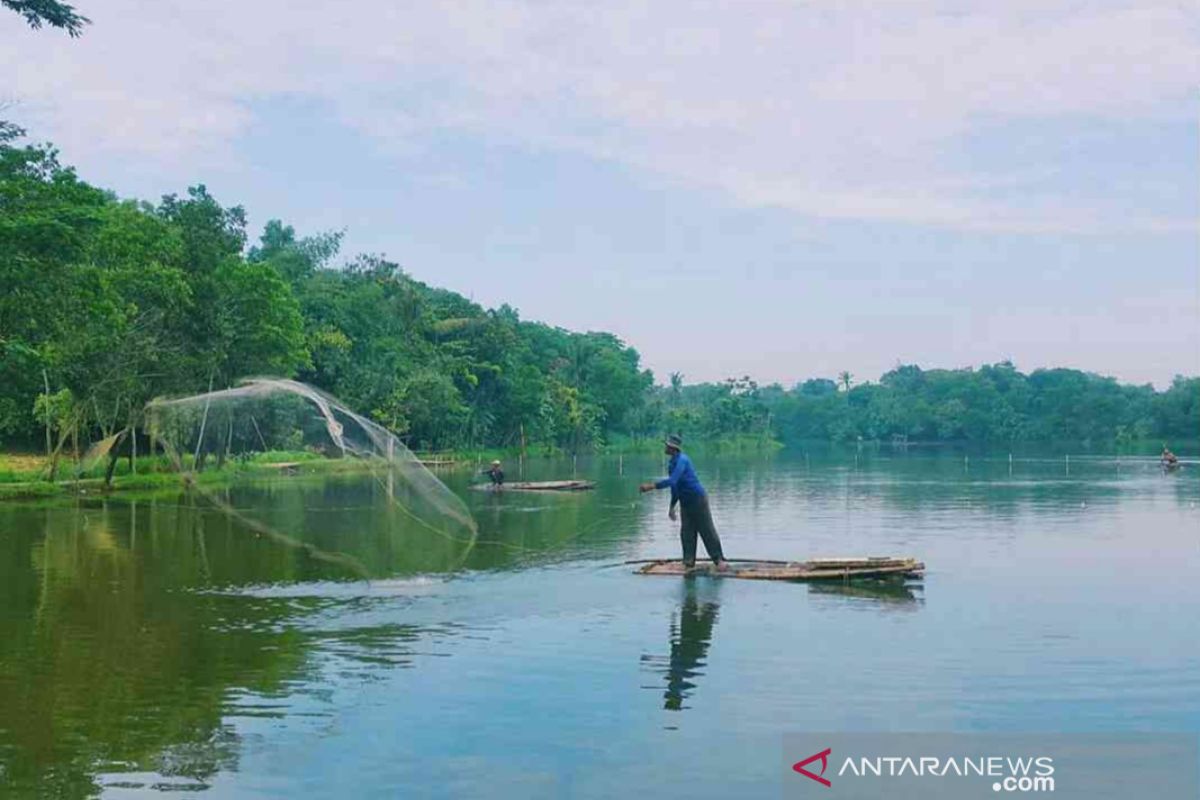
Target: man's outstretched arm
x,y
670,481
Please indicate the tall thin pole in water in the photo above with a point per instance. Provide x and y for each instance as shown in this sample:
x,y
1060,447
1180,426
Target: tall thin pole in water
x,y
203,422
1068,462
391,459
46,409
1010,465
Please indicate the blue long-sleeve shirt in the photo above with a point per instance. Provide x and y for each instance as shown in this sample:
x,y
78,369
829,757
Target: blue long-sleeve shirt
x,y
682,480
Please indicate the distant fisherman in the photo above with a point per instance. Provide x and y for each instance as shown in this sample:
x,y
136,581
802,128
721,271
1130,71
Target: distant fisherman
x,y
687,492
495,473
1169,459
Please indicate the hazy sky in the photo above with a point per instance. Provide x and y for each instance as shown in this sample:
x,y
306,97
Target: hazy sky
x,y
780,189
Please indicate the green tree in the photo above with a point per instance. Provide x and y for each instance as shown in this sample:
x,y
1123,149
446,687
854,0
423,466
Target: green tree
x,y
50,12
110,303
260,330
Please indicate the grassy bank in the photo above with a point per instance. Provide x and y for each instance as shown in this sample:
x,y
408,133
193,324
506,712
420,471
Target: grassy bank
x,y
24,477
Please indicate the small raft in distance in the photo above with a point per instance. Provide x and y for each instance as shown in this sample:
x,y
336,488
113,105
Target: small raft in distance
x,y
817,569
537,486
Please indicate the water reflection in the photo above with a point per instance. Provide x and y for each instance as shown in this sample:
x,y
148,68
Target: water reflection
x,y
691,634
121,668
888,595
146,642
101,668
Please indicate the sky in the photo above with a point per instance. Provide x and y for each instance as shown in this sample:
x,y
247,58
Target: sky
x,y
776,189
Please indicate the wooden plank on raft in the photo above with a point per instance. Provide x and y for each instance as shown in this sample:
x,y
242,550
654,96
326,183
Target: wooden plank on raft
x,y
823,569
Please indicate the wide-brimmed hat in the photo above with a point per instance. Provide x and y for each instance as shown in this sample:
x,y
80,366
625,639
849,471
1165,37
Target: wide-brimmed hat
x,y
674,440
496,463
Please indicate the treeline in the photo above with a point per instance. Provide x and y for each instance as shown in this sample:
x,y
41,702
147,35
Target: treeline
x,y
993,404
107,303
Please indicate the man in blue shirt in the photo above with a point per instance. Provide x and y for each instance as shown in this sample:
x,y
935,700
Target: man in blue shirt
x,y
689,495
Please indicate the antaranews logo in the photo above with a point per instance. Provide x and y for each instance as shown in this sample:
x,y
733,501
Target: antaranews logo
x,y
987,766
823,757
1016,774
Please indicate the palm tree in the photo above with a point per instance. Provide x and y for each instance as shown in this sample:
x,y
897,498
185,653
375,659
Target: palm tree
x,y
676,387
844,378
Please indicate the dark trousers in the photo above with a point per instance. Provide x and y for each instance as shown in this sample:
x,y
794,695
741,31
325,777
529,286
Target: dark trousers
x,y
696,518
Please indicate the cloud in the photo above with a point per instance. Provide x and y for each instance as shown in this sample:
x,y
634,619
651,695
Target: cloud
x,y
841,110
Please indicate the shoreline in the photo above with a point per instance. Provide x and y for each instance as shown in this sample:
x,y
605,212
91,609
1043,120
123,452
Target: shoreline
x,y
20,472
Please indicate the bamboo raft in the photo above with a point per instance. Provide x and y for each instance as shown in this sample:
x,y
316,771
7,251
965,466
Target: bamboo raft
x,y
816,569
537,486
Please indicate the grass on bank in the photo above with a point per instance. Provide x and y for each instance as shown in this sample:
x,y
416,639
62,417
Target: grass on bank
x,y
24,476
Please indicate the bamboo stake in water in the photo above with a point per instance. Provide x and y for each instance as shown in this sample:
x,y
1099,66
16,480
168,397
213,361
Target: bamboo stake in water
x,y
46,383
203,422
391,461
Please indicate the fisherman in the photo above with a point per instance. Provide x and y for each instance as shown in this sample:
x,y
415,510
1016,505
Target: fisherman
x,y
495,473
1169,459
689,495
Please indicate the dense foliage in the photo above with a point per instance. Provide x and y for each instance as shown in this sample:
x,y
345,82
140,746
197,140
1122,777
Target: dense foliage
x,y
106,304
995,404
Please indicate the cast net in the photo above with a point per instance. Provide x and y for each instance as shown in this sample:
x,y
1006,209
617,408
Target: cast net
x,y
367,499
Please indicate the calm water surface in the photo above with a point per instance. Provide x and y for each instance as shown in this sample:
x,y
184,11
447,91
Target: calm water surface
x,y
155,645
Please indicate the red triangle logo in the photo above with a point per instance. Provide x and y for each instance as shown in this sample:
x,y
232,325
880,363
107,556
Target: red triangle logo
x,y
823,757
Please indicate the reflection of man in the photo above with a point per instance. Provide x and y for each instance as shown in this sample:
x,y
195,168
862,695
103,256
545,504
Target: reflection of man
x,y
690,638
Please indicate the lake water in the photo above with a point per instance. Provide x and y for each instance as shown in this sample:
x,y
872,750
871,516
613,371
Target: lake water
x,y
156,645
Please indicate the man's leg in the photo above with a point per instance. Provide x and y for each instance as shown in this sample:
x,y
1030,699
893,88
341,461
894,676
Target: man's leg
x,y
687,535
708,532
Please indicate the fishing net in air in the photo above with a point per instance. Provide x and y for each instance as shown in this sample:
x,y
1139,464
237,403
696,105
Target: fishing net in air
x,y
295,465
